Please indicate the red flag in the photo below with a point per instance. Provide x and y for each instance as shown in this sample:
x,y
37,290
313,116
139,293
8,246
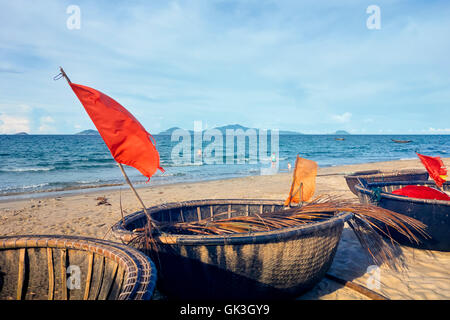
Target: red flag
x,y
422,192
126,138
435,168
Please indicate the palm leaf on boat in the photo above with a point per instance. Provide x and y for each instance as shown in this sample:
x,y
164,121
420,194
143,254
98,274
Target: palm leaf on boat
x,y
366,221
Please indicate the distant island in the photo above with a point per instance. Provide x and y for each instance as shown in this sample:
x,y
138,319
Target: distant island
x,y
341,132
223,129
169,131
89,132
21,134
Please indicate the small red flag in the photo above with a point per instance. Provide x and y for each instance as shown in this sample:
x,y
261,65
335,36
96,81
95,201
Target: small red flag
x,y
126,138
435,168
422,192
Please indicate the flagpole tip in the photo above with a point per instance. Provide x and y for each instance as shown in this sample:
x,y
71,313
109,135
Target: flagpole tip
x,y
64,74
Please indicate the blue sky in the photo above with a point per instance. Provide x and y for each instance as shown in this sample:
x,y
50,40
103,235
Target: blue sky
x,y
308,66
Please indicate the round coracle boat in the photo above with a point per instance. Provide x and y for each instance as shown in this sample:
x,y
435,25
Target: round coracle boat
x,y
258,265
49,267
384,176
433,213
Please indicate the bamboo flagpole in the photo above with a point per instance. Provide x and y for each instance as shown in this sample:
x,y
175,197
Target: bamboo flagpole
x,y
150,221
136,194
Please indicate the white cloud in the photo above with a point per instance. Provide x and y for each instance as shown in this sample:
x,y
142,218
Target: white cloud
x,y
45,126
342,118
12,124
47,119
232,59
444,130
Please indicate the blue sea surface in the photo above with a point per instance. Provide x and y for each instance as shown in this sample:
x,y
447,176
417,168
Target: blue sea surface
x,y
55,163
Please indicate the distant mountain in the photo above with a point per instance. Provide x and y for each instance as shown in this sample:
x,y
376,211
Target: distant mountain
x,y
89,132
21,134
341,132
238,126
223,129
169,131
291,133
231,127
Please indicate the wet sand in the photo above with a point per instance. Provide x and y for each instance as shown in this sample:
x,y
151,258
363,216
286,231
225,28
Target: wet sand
x,y
427,277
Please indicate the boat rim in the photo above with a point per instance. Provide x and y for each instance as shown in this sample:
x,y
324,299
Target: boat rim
x,y
366,173
235,238
389,195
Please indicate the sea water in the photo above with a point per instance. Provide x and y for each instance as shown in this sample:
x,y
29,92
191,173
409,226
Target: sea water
x,y
31,164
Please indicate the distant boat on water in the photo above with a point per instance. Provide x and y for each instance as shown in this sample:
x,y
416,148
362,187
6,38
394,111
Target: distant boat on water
x,y
339,139
401,141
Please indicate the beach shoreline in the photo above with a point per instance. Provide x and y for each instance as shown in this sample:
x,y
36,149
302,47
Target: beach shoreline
x,y
79,214
73,191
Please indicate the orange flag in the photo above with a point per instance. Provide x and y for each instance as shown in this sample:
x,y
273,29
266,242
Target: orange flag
x,y
435,168
127,140
303,181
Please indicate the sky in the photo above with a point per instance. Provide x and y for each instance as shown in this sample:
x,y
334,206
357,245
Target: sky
x,y
308,66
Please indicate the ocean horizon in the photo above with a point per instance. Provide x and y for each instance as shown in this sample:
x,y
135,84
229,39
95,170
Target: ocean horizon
x,y
36,164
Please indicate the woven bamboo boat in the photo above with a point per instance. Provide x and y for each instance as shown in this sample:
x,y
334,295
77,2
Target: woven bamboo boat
x,y
48,267
384,176
434,213
260,265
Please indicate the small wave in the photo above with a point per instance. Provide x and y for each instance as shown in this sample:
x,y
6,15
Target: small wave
x,y
89,166
85,166
269,159
53,187
35,186
26,187
86,181
186,164
25,169
165,174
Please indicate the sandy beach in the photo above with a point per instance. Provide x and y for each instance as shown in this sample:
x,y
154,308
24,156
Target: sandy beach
x,y
427,276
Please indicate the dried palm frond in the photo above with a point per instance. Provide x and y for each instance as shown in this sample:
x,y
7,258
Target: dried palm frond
x,y
379,250
377,217
366,221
